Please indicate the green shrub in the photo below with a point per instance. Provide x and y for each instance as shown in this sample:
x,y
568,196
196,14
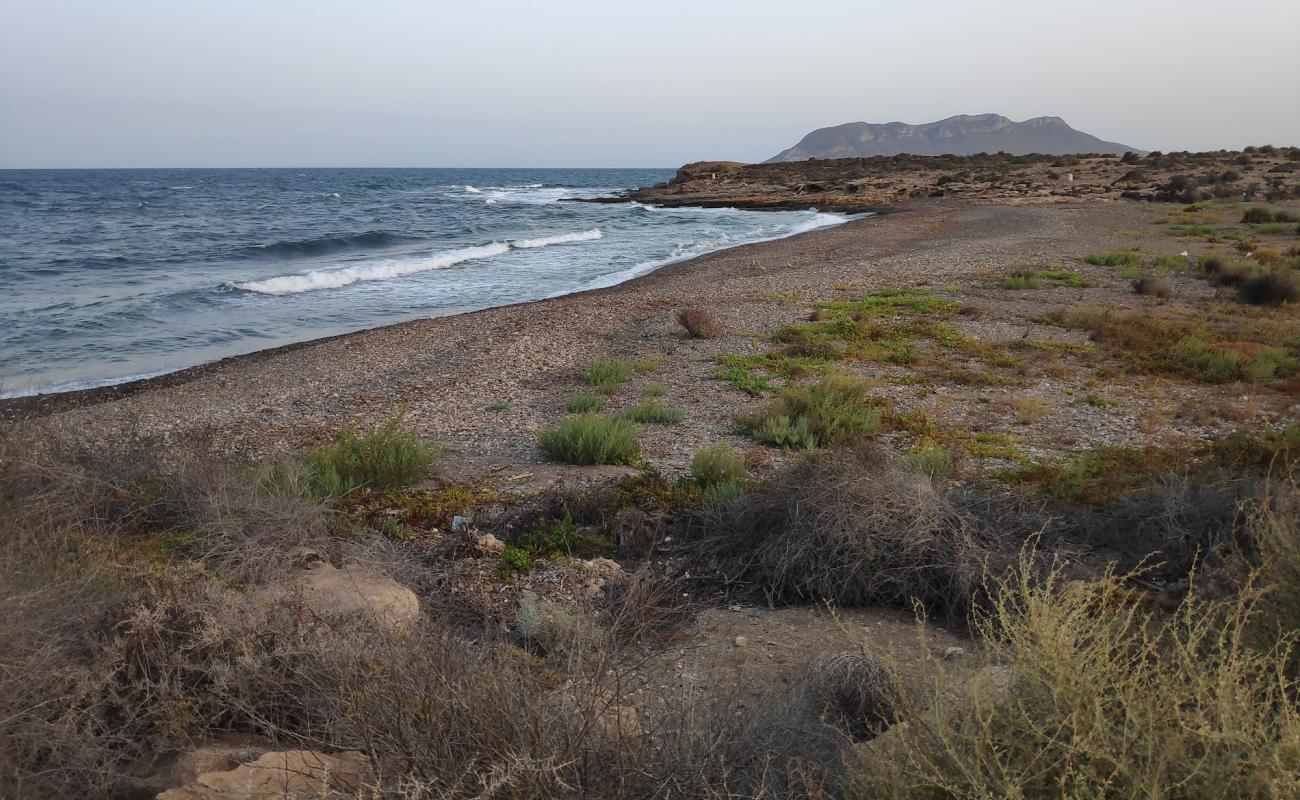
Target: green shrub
x,y
836,409
717,464
514,561
928,458
585,403
721,494
652,411
607,375
655,390
1255,215
384,458
1117,258
591,439
1021,282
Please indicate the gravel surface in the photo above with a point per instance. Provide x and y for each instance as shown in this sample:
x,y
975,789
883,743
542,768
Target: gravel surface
x,y
443,374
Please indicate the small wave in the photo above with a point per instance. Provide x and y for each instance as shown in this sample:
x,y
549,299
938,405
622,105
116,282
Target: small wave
x,y
180,187
819,219
563,238
325,244
472,190
369,271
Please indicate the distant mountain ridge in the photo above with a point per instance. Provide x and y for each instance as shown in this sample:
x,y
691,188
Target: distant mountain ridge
x,y
960,135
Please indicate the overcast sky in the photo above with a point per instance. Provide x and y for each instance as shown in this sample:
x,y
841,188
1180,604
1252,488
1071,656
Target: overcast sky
x,y
130,83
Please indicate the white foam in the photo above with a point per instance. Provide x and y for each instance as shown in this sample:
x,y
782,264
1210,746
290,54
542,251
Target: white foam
x,y
818,220
368,271
472,190
563,238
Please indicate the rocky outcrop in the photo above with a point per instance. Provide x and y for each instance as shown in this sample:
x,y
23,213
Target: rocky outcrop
x,y
286,775
960,135
328,592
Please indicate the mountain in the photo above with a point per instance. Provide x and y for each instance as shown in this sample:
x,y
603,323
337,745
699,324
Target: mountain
x,y
961,135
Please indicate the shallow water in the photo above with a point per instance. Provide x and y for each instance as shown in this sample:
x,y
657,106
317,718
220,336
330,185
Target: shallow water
x,y
109,275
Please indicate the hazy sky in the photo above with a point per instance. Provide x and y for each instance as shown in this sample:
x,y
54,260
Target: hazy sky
x,y
115,83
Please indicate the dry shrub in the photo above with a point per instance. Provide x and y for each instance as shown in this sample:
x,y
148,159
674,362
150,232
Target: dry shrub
x,y
1153,287
1272,288
853,690
700,324
852,527
1106,700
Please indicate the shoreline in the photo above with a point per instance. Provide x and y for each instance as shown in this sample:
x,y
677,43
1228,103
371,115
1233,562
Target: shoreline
x,y
41,404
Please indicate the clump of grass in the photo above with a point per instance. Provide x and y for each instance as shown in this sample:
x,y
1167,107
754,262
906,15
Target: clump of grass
x,y
500,405
1116,258
1097,401
1071,279
1021,281
606,375
1029,410
386,457
739,371
591,439
1153,287
650,363
654,390
585,403
652,411
1272,288
700,324
1257,215
717,464
930,459
836,409
1084,669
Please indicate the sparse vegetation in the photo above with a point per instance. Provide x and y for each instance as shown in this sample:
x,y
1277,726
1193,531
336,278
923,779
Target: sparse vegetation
x,y
606,375
717,464
930,459
651,411
585,403
1116,258
591,439
383,458
654,390
1153,287
833,410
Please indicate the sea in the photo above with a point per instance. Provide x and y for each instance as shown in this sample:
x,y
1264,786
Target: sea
x,y
108,276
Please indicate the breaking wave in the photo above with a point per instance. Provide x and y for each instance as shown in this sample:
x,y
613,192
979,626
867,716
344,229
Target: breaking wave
x,y
369,271
563,238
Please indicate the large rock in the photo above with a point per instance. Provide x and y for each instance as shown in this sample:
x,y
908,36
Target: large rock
x,y
330,593
287,775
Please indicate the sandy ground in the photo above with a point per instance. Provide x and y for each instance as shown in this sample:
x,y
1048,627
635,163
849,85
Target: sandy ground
x,y
443,374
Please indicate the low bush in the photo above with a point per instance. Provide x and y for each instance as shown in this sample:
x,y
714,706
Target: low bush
x,y
836,409
857,692
652,411
384,458
1116,258
606,375
1098,697
585,403
717,464
1153,287
1271,288
700,324
655,390
851,527
1256,215
591,439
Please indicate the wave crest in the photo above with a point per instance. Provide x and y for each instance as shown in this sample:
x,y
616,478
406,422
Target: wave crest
x,y
370,271
324,244
563,238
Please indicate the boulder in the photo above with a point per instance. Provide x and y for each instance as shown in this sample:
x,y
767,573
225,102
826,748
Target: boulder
x,y
285,775
330,592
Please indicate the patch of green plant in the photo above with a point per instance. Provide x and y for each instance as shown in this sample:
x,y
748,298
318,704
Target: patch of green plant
x,y
1256,215
1072,279
651,411
1273,229
1192,231
836,409
606,375
1168,262
739,370
992,445
930,459
1097,476
891,301
500,405
561,537
717,464
383,458
588,439
1021,282
513,561
585,403
1097,401
651,363
654,390
1115,258
720,494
